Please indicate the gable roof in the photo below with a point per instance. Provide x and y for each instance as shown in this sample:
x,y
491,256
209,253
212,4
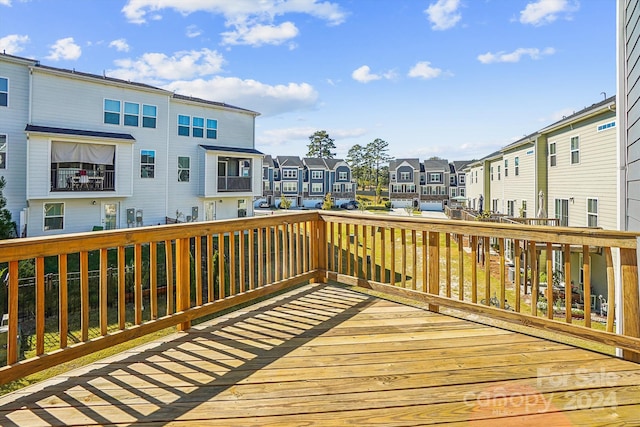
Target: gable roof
x,y
459,165
268,161
414,163
441,165
289,161
315,162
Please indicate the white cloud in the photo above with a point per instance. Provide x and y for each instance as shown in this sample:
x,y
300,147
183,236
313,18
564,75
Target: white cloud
x,y
65,49
13,43
269,100
157,68
252,22
515,56
258,35
443,14
121,45
5,2
193,31
424,70
364,75
546,11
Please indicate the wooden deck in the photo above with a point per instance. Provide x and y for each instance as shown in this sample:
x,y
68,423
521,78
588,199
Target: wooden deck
x,y
326,355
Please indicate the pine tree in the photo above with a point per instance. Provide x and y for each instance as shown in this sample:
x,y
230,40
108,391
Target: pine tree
x,y
320,145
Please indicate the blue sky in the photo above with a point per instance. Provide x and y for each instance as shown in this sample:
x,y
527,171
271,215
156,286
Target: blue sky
x,y
456,79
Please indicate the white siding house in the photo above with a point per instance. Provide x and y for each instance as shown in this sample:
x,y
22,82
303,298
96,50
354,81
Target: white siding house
x,y
105,153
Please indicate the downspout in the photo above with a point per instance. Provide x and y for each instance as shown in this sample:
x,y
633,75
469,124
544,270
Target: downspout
x,y
166,180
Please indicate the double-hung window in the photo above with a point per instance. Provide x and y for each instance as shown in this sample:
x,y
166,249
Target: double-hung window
x,y
131,114
506,168
4,92
212,129
516,162
434,177
316,174
198,127
184,124
342,176
592,212
112,111
183,168
149,116
316,187
147,163
575,150
53,216
289,187
552,154
290,173
3,151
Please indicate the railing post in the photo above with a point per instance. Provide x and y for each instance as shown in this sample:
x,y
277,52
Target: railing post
x,y
182,279
630,299
434,267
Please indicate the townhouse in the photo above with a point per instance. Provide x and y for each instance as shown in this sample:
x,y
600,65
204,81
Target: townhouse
x,y
305,181
457,179
84,151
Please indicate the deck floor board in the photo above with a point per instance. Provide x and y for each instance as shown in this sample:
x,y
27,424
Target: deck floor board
x,y
326,355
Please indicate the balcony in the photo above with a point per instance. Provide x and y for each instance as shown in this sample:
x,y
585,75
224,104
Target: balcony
x,y
73,179
234,183
325,348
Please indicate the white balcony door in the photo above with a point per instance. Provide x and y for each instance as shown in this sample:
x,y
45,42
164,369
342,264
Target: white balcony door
x,y
110,216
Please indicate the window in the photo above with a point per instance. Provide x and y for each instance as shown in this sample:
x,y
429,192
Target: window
x,y
212,129
405,176
316,187
476,173
343,176
491,173
242,208
575,150
434,177
112,112
4,92
506,168
393,176
523,209
592,212
3,151
131,114
461,178
290,173
336,188
289,187
498,172
562,211
147,163
552,154
53,216
462,192
316,174
183,169
198,127
606,126
511,204
183,125
453,192
516,163
149,115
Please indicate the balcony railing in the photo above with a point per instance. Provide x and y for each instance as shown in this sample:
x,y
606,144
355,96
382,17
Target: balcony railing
x,y
91,291
72,180
234,183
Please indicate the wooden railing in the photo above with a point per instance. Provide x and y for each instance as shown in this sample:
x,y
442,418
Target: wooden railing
x,y
137,281
466,266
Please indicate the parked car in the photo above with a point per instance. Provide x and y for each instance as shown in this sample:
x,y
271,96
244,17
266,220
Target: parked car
x,y
319,205
263,205
350,205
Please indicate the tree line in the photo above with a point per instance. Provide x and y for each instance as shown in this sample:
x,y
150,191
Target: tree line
x,y
368,163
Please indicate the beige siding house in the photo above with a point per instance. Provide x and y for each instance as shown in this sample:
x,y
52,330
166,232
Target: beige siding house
x,y
520,177
495,197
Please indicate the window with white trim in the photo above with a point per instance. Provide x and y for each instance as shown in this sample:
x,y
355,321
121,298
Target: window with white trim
x,y
4,92
592,212
491,173
184,124
131,114
112,111
461,192
212,129
343,176
516,164
316,187
198,127
289,187
184,169
435,177
552,154
498,172
316,175
53,216
506,168
575,150
461,178
606,126
523,209
289,173
147,163
3,151
149,116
